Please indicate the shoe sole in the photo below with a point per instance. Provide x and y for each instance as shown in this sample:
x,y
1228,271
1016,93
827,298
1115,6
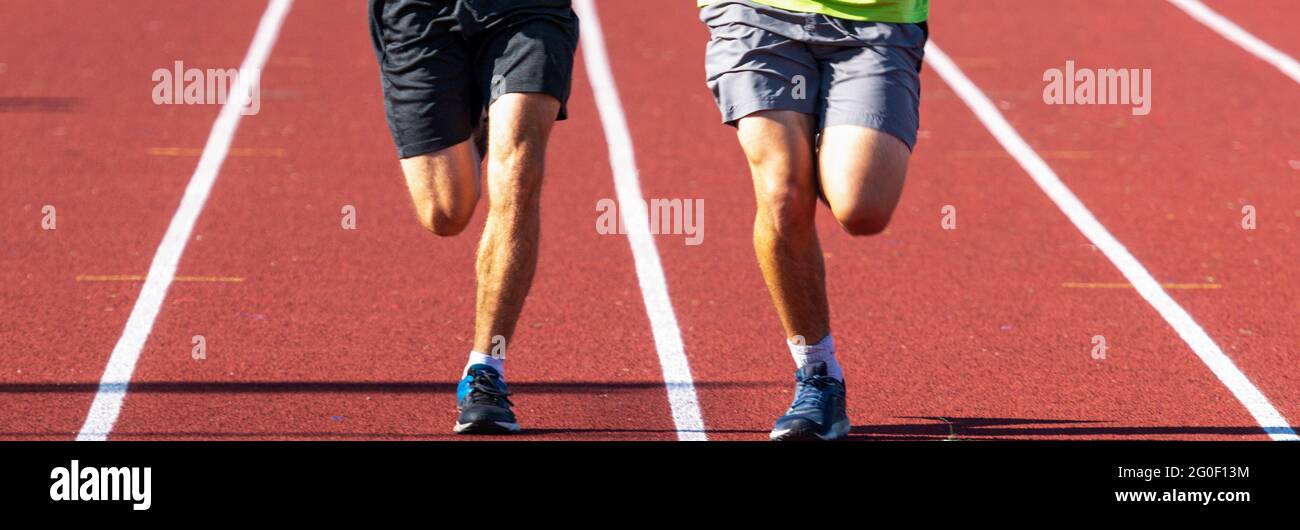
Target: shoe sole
x,y
486,427
837,431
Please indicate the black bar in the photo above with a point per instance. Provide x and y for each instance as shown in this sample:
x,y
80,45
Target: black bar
x,y
324,478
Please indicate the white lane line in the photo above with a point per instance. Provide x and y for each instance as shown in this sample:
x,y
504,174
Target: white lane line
x,y
1268,417
1231,31
654,288
117,375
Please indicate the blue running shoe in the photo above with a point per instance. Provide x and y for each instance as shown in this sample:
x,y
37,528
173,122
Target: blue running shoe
x,y
481,398
817,412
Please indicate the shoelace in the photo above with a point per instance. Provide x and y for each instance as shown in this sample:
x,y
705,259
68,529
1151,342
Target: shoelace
x,y
809,391
484,390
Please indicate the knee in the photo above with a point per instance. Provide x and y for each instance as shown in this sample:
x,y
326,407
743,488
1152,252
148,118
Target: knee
x,y
863,171
787,201
442,220
444,225
863,218
444,188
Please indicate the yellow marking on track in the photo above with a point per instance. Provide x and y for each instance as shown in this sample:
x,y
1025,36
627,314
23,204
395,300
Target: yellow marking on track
x,y
273,152
1122,285
140,278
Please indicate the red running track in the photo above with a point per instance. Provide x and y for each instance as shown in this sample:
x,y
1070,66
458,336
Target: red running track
x,y
76,126
973,333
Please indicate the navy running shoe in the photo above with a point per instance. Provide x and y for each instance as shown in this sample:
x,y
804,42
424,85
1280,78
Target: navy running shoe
x,y
817,412
481,398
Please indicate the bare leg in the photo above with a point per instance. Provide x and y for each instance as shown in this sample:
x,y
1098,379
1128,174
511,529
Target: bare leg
x,y
862,172
444,187
507,253
779,147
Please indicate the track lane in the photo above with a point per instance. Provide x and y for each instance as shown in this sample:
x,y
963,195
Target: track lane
x,y
79,126
1272,21
1170,185
963,334
981,373
361,334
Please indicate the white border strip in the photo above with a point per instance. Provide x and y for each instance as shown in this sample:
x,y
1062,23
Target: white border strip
x,y
1268,417
1231,31
117,375
654,288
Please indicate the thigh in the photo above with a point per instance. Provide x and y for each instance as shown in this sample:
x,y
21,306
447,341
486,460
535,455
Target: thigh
x,y
521,126
530,52
872,78
870,113
444,187
426,75
861,171
779,147
752,66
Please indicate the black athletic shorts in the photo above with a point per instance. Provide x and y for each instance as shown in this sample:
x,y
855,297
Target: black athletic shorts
x,y
442,62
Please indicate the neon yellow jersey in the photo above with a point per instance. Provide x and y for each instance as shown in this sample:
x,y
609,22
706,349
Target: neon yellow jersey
x,y
912,11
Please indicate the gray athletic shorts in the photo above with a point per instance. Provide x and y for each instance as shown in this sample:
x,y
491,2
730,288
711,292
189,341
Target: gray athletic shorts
x,y
844,72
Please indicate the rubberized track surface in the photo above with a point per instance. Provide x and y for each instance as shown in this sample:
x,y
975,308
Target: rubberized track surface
x,y
312,331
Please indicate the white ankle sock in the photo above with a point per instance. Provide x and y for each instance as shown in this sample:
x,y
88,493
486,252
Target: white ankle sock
x,y
483,358
823,351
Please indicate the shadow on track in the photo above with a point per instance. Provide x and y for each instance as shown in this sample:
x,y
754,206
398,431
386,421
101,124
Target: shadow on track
x,y
369,387
956,428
